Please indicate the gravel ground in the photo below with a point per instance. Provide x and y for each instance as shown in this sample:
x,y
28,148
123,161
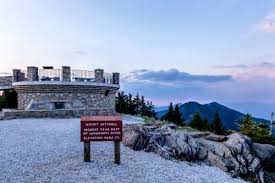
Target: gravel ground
x,y
49,150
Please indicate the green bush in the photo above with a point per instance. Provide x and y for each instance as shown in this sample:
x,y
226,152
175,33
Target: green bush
x,y
8,100
258,133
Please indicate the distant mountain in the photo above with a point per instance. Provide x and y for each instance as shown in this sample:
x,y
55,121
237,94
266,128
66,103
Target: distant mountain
x,y
164,108
230,117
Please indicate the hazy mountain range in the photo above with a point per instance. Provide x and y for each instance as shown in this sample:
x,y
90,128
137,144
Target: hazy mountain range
x,y
230,117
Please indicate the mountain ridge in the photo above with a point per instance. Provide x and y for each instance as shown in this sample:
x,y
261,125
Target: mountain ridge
x,y
230,117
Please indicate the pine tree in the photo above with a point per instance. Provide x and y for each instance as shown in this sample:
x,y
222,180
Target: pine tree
x,y
143,107
121,104
205,124
216,125
177,116
150,109
130,104
262,134
169,115
248,126
196,121
137,104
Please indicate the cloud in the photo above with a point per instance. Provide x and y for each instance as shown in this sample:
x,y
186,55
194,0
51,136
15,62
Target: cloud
x,y
264,69
251,85
267,24
80,52
174,76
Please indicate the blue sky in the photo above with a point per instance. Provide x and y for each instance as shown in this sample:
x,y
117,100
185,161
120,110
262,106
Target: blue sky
x,y
211,50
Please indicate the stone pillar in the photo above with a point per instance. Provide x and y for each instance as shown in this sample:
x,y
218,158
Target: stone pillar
x,y
15,75
22,76
32,73
99,76
116,78
66,73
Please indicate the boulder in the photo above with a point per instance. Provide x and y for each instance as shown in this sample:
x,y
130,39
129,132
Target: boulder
x,y
217,138
266,153
135,137
235,153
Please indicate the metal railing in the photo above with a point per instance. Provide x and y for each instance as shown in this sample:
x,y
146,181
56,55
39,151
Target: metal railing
x,y
76,75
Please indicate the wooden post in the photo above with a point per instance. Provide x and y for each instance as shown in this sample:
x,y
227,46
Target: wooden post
x,y
87,148
117,152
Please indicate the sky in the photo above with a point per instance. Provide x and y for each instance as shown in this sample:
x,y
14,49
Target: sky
x,y
176,50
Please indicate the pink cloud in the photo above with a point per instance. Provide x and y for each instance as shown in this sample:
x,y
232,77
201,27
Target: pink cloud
x,y
267,24
244,72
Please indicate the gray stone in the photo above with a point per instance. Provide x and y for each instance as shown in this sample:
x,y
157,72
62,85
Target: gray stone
x,y
99,76
234,153
66,73
115,78
266,153
217,138
32,73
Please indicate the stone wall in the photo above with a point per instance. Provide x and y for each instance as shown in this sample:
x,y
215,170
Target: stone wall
x,y
79,101
74,96
6,81
10,114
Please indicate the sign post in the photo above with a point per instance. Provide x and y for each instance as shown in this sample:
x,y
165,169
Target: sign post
x,y
101,128
87,153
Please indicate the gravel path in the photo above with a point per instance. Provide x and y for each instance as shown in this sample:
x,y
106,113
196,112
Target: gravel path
x,y
49,150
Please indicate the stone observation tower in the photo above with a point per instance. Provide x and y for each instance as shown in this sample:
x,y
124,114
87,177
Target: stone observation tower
x,y
64,92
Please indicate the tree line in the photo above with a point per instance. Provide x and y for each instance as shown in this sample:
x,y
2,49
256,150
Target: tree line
x,y
134,105
174,115
8,99
257,132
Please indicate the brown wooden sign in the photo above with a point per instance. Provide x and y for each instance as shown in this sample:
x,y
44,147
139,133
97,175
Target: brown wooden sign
x,y
101,128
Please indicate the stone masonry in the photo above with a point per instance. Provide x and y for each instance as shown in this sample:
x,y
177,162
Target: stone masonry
x,y
32,74
66,73
6,81
64,98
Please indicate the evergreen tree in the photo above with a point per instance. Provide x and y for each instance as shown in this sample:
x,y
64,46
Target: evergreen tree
x,y
216,125
262,134
258,133
130,104
205,124
137,104
170,113
248,126
197,121
150,107
121,102
143,107
177,116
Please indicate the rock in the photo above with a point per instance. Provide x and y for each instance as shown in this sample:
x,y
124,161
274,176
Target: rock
x,y
169,126
266,153
135,137
217,138
235,153
197,134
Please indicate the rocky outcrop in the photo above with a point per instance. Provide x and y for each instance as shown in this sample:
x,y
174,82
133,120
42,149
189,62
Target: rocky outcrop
x,y
235,153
